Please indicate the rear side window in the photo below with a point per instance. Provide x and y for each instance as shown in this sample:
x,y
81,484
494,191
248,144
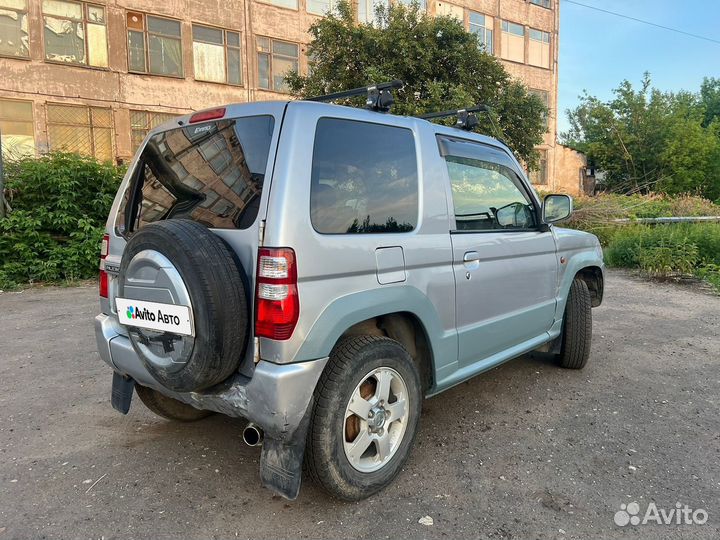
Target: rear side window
x,y
212,173
364,178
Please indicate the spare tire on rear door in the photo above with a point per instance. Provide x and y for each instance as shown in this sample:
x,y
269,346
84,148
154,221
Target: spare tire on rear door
x,y
181,262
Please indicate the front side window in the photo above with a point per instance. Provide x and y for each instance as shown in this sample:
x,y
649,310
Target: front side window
x,y
14,40
85,130
482,26
539,48
216,55
75,33
487,196
275,60
154,45
16,129
512,46
364,178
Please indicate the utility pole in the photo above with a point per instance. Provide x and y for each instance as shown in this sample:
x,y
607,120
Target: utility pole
x,y
2,182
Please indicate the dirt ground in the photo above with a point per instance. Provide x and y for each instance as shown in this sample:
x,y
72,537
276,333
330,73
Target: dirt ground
x,y
525,451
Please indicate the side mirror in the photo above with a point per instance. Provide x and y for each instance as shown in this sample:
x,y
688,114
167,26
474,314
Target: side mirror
x,y
556,208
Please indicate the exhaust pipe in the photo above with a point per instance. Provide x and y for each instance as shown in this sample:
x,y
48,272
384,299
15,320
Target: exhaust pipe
x,y
253,435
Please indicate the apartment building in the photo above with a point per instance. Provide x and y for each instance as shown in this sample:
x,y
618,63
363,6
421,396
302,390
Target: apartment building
x,y
94,77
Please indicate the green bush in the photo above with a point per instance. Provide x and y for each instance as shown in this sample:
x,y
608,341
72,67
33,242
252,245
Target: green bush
x,y
60,204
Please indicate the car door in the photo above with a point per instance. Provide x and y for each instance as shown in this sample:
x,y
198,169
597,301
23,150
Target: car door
x,y
504,261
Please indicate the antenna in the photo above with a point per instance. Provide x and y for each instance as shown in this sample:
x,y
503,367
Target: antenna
x,y
379,96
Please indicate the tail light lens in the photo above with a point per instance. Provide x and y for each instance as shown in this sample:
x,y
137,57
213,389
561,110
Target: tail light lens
x,y
277,306
104,282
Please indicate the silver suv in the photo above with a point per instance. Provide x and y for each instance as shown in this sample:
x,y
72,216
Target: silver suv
x,y
318,270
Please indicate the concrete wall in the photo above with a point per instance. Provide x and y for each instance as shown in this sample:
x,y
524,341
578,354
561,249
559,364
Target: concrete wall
x,y
44,82
570,167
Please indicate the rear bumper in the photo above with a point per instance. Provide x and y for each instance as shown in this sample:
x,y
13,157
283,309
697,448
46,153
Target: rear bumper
x,y
276,397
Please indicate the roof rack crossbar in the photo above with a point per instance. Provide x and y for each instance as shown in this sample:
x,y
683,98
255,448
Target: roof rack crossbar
x,y
379,96
466,118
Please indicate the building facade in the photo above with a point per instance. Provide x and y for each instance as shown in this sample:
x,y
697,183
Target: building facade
x,y
94,77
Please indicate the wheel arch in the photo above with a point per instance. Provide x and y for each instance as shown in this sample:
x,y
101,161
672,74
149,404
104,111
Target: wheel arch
x,y
594,278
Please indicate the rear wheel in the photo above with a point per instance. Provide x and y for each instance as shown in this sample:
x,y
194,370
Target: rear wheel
x,y
167,407
365,417
577,327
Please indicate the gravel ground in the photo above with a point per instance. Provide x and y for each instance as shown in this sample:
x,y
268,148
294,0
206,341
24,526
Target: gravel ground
x,y
525,451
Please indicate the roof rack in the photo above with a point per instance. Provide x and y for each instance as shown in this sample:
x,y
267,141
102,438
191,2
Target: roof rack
x,y
466,118
379,96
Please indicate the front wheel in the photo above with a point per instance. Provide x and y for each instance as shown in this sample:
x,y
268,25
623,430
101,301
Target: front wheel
x,y
577,327
365,417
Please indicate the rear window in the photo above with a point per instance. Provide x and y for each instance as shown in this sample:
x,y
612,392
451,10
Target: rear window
x,y
212,173
364,178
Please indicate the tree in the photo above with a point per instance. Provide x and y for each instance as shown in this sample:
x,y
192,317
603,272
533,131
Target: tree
x,y
647,140
442,66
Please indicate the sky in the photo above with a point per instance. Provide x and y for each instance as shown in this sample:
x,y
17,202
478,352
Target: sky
x,y
598,50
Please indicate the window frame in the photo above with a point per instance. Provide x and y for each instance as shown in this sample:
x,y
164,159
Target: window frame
x,y
270,54
225,47
148,124
146,33
546,101
20,12
475,152
86,45
332,9
541,3
486,29
542,42
90,126
271,3
31,121
505,25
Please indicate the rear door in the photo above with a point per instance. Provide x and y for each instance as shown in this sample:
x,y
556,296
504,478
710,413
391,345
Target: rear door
x,y
504,263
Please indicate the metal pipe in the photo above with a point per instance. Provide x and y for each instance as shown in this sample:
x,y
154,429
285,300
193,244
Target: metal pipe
x,y
253,435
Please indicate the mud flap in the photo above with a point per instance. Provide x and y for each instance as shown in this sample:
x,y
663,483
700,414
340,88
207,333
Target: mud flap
x,y
281,461
122,391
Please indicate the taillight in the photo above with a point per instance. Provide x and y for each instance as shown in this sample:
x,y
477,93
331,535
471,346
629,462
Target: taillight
x,y
211,114
104,282
277,305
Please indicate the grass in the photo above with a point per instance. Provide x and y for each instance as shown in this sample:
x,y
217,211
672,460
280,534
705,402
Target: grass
x,y
662,250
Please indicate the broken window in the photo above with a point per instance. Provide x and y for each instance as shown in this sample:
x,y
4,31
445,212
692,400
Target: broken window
x,y
85,130
216,55
16,129
14,28
154,45
75,33
275,60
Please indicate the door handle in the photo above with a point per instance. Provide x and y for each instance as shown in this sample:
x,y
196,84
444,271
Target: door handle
x,y
471,261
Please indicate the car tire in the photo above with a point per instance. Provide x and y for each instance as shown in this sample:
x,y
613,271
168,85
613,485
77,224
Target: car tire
x,y
167,407
356,364
216,285
577,327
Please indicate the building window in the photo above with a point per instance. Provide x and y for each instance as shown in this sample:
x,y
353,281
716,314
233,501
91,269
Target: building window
x,y
216,55
14,39
512,45
539,48
75,33
290,4
450,10
539,176
367,10
154,45
141,122
482,26
422,4
85,130
275,60
16,129
542,3
322,7
544,96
